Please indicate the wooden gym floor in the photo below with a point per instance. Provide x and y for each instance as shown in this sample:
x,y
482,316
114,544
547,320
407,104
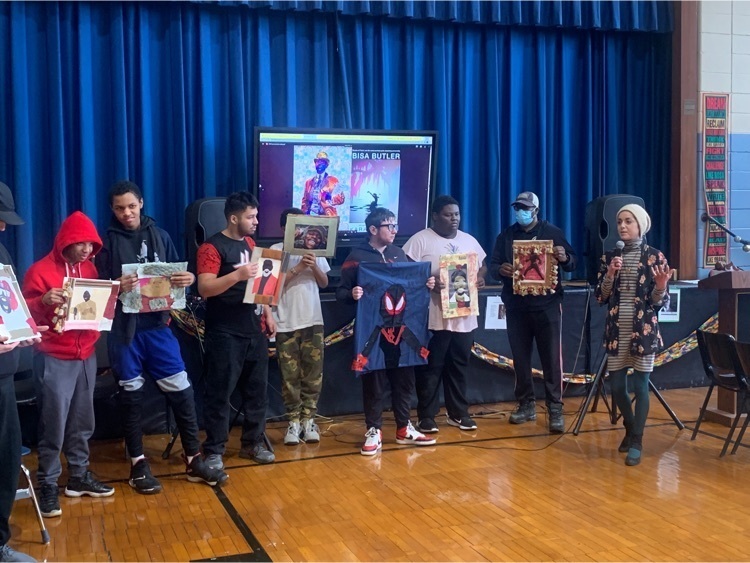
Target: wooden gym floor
x,y
500,493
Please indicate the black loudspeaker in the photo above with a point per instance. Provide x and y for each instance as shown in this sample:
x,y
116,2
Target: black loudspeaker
x,y
601,228
203,219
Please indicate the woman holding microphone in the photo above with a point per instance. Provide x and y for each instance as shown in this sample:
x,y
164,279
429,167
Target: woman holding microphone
x,y
632,283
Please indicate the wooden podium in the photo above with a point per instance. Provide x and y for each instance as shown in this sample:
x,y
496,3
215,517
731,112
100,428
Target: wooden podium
x,y
730,285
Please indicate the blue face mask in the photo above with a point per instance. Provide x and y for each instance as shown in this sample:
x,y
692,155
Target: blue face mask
x,y
524,217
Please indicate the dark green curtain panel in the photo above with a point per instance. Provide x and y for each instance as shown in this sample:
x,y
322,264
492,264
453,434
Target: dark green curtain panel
x,y
167,94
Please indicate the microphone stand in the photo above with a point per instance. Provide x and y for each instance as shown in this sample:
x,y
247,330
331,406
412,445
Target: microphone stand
x,y
745,244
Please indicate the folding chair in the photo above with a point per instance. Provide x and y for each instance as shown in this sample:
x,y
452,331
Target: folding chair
x,y
723,369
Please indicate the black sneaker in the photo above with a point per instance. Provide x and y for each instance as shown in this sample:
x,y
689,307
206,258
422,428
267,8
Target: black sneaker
x,y
87,485
49,503
556,420
464,423
524,412
199,472
142,480
428,426
259,453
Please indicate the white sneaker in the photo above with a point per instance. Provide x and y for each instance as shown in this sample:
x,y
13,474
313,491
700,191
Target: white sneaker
x,y
410,435
310,431
373,442
292,434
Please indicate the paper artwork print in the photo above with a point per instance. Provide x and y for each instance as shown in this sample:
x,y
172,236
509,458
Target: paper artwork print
x,y
534,268
89,305
265,288
154,291
391,326
16,323
458,274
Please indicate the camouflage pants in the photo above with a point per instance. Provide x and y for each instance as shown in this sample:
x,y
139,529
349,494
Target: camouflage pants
x,y
300,355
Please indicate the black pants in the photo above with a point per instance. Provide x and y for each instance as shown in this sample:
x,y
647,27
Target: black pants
x,y
10,453
546,328
234,362
448,363
182,404
374,386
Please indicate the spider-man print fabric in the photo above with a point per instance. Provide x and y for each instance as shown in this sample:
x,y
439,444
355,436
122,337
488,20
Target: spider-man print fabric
x,y
391,327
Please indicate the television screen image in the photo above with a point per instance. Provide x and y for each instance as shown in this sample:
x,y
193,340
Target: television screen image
x,y
344,174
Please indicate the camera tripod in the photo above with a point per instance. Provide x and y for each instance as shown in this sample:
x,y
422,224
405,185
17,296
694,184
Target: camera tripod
x,y
597,390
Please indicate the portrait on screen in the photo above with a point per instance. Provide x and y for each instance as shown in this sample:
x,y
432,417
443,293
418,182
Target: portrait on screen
x,y
15,318
322,181
305,234
534,269
458,274
89,305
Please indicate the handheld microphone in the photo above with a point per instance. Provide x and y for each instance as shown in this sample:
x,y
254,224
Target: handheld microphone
x,y
619,245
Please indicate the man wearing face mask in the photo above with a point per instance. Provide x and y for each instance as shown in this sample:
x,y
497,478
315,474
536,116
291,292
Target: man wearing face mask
x,y
533,317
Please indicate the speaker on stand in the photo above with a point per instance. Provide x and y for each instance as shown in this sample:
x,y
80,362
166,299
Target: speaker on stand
x,y
600,223
203,219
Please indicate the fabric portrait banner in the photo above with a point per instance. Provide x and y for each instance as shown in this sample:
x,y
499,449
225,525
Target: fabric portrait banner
x,y
715,181
391,328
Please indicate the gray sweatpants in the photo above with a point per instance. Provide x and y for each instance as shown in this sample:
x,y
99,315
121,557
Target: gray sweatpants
x,y
65,395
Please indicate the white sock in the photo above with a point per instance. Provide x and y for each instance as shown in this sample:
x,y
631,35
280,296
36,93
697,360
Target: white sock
x,y
134,460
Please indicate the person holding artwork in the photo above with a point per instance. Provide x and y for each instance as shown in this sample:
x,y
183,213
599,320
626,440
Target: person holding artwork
x,y
86,309
10,427
633,286
142,343
235,343
266,283
534,317
65,366
381,229
299,341
318,197
452,339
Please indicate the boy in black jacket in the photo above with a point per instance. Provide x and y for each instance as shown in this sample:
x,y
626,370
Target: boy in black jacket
x,y
381,227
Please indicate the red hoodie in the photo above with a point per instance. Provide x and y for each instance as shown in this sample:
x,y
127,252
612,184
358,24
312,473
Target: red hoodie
x,y
48,273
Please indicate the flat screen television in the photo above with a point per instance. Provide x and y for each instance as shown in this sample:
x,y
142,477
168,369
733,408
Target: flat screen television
x,y
345,173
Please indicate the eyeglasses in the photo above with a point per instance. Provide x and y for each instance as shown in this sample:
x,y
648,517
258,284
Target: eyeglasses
x,y
392,227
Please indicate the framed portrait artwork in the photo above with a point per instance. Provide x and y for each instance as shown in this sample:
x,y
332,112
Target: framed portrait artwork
x,y
89,305
305,234
458,274
154,291
266,286
534,268
16,323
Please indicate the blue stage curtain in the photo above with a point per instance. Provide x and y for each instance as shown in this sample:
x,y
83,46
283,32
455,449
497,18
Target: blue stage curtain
x,y
606,15
167,94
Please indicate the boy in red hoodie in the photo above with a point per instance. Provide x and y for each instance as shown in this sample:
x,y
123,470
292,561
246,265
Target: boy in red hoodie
x,y
64,367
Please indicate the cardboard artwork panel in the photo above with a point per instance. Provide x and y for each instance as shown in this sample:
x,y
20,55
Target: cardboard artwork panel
x,y
154,290
16,323
458,274
89,305
265,288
